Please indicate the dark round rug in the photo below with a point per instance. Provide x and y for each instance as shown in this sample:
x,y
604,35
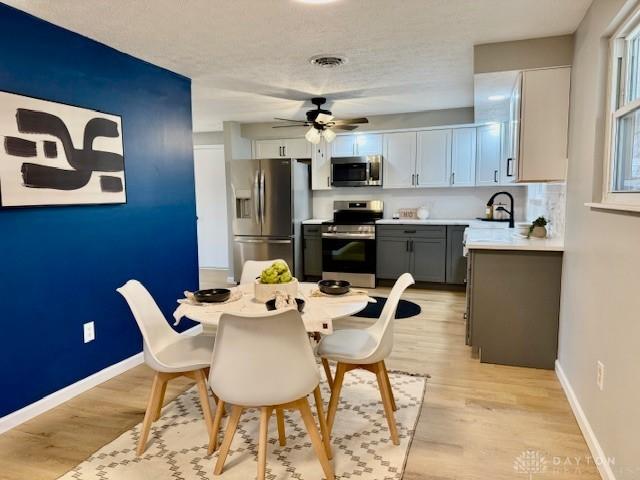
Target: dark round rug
x,y
405,309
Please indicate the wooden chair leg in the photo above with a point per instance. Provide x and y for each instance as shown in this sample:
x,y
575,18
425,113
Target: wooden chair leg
x,y
203,390
213,435
265,413
163,390
232,426
152,408
335,395
327,372
316,441
282,436
386,376
386,402
323,422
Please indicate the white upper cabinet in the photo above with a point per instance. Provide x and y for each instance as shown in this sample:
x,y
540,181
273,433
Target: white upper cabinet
x,y
398,168
463,157
343,146
268,149
282,148
508,169
357,145
297,148
541,117
433,163
368,144
321,167
488,151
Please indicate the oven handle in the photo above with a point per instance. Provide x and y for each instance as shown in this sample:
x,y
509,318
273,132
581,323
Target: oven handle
x,y
346,236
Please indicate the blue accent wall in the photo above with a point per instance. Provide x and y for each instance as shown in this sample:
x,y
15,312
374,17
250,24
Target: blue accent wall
x,y
60,266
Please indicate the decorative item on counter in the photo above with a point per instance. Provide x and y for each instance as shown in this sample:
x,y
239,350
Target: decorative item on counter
x,y
276,278
423,212
538,228
408,213
488,212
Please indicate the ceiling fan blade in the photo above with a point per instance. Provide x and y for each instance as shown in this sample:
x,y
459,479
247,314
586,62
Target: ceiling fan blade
x,y
344,127
290,120
351,121
299,125
324,118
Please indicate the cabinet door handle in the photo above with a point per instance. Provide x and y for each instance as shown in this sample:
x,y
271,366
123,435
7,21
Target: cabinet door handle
x,y
453,178
409,231
413,179
328,181
495,176
411,245
406,246
509,167
417,179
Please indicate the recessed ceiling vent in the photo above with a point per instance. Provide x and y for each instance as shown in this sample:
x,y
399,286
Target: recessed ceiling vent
x,y
328,61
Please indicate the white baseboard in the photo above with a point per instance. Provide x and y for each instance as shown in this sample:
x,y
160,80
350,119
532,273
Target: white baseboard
x,y
67,393
583,422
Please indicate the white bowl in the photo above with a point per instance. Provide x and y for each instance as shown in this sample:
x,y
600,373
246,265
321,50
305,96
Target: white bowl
x,y
266,291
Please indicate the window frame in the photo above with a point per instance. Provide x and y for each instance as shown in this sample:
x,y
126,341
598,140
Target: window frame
x,y
617,91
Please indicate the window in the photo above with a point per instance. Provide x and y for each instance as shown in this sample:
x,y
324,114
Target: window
x,y
622,174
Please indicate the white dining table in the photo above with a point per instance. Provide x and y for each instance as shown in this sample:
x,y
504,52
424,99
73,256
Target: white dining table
x,y
318,314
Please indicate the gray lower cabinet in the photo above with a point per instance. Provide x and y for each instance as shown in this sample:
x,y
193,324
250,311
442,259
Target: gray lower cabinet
x,y
418,249
514,306
312,251
456,261
393,257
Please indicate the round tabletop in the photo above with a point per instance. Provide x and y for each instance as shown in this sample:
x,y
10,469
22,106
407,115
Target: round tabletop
x,y
319,311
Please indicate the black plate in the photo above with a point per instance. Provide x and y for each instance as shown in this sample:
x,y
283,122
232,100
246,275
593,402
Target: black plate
x,y
271,304
334,287
213,295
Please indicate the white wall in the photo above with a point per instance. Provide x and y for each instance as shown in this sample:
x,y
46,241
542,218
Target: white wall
x,y
452,203
600,306
211,206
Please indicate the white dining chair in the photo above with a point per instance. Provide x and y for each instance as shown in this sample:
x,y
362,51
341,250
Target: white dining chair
x,y
167,352
366,349
265,362
253,268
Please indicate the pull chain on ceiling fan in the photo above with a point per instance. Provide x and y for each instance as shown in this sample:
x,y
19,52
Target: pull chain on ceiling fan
x,y
322,123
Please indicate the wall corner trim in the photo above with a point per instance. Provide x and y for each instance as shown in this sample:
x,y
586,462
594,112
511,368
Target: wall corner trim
x,y
587,432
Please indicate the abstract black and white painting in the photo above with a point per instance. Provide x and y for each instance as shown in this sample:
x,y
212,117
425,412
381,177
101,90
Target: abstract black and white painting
x,y
57,154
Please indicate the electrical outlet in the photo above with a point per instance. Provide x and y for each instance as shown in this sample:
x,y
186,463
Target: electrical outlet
x,y
600,375
89,332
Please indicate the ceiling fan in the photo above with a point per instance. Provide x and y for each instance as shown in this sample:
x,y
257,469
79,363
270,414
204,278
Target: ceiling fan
x,y
322,123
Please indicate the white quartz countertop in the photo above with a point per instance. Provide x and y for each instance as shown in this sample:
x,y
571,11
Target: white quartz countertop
x,y
314,221
428,221
508,239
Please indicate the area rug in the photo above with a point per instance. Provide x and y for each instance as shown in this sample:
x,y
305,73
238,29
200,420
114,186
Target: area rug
x,y
177,447
406,309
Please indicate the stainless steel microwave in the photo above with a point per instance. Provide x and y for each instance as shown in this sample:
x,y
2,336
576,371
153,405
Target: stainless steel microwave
x,y
356,171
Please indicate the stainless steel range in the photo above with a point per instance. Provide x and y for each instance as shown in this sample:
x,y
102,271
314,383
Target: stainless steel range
x,y
349,242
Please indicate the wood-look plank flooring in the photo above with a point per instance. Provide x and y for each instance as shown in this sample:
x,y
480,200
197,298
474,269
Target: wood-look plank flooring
x,y
476,418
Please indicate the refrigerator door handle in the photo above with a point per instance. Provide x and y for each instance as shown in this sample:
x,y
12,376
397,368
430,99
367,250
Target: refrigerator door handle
x,y
262,197
256,196
252,240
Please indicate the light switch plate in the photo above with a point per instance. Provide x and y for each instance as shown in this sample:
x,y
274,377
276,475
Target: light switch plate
x,y
89,332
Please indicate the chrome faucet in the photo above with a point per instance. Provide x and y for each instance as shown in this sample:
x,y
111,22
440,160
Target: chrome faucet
x,y
509,212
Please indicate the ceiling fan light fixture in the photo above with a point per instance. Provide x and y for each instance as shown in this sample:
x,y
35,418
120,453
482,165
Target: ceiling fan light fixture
x,y
313,136
329,135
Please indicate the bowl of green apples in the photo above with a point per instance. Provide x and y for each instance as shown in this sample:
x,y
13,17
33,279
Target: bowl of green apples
x,y
273,279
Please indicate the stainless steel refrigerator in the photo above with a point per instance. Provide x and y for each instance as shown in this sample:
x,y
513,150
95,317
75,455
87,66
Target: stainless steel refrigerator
x,y
271,198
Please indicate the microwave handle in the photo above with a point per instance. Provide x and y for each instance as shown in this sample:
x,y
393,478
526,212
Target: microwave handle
x,y
368,173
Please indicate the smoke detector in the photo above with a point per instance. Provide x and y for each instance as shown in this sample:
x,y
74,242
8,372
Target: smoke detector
x,y
328,61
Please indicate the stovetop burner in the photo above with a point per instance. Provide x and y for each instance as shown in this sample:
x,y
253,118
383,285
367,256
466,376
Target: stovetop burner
x,y
356,212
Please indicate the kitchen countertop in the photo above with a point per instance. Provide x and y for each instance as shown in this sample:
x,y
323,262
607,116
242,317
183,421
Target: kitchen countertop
x,y
314,221
428,221
508,239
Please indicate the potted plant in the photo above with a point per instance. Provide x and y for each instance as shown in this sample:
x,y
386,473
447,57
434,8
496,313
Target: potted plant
x,y
276,278
538,228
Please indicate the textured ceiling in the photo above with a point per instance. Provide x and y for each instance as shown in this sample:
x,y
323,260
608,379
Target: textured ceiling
x,y
248,58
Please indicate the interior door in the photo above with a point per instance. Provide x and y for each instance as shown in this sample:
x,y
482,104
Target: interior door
x,y
399,160
245,178
275,188
463,157
433,164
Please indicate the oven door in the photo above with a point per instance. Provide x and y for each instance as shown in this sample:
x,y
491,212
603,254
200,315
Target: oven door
x,y
348,254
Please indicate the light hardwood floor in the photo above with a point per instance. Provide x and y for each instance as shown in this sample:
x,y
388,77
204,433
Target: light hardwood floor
x,y
475,421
